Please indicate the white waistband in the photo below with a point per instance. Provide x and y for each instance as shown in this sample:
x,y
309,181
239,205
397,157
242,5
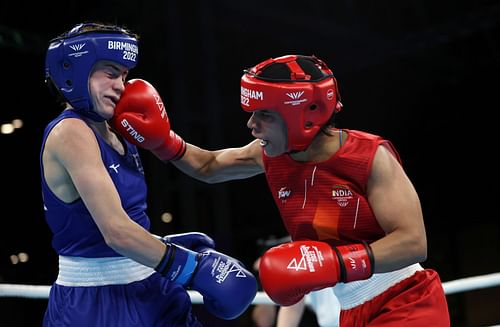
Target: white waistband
x,y
79,271
356,293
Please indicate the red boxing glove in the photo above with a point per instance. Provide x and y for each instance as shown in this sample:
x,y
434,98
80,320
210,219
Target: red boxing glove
x,y
289,271
141,118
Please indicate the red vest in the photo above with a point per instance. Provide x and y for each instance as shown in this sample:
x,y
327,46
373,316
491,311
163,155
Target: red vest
x,y
327,200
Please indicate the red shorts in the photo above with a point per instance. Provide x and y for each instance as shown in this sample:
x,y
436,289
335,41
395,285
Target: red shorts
x,y
417,301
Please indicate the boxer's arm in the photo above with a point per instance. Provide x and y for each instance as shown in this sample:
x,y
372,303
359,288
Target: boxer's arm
x,y
396,206
142,119
222,165
73,166
292,315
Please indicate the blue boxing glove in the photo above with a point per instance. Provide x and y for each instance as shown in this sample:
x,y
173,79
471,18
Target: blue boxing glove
x,y
227,287
195,241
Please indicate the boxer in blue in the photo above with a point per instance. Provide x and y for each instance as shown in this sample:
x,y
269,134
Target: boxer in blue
x,y
112,270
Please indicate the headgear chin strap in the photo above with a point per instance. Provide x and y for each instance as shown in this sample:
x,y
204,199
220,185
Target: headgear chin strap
x,y
71,57
306,103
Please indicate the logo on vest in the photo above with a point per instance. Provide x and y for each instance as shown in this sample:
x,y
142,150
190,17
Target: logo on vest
x,y
284,193
342,194
115,167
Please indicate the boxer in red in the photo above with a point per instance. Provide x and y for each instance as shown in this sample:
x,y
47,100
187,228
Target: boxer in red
x,y
353,214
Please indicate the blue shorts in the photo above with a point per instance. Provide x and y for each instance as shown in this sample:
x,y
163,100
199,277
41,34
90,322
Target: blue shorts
x,y
149,302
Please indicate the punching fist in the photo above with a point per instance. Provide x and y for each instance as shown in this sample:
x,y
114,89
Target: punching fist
x,y
227,287
141,118
289,271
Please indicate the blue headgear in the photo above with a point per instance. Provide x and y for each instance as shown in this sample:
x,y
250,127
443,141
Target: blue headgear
x,y
71,57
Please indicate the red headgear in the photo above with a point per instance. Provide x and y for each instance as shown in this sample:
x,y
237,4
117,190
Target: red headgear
x,y
305,100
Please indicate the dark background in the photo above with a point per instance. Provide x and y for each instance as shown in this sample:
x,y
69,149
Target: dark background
x,y
423,74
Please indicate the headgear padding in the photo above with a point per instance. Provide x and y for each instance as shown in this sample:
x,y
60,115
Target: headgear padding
x,y
71,57
302,89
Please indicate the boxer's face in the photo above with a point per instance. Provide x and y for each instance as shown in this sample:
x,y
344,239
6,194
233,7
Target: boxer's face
x,y
270,129
106,85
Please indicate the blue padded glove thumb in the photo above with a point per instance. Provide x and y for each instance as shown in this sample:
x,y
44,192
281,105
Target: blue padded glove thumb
x,y
228,288
195,241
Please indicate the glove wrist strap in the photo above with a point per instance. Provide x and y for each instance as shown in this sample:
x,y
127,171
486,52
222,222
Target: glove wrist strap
x,y
165,263
178,264
356,262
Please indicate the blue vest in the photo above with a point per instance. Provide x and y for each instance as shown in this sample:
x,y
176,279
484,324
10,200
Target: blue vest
x,y
74,230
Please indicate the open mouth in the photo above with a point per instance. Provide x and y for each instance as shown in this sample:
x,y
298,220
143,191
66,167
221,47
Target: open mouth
x,y
263,143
